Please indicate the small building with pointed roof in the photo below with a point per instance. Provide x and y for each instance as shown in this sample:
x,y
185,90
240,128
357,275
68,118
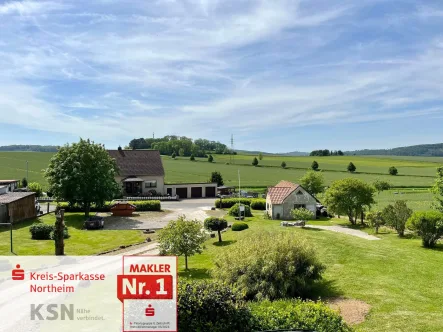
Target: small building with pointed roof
x,y
285,196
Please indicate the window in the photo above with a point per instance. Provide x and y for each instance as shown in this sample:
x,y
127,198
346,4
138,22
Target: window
x,y
150,184
299,206
299,193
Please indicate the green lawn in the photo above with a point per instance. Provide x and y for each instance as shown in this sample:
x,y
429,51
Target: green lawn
x,y
397,277
81,242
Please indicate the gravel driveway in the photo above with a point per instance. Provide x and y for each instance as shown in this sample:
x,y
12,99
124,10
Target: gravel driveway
x,y
346,230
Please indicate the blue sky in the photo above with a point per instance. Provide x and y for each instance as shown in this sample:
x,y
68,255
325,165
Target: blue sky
x,y
279,75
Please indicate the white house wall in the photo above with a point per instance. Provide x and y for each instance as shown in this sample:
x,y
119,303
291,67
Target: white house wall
x,y
294,198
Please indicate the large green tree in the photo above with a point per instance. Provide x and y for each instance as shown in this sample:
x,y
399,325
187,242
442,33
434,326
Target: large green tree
x,y
82,173
349,197
381,185
181,237
437,190
216,177
313,182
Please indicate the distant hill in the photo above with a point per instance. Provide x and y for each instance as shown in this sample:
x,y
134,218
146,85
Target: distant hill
x,y
423,150
29,148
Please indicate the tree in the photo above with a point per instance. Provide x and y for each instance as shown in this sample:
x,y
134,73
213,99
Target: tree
x,y
393,170
24,182
314,165
35,187
349,197
313,182
255,161
437,190
351,167
270,266
83,173
375,219
381,185
173,155
283,164
428,225
210,158
302,214
181,237
260,156
216,225
396,215
216,177
192,158
181,152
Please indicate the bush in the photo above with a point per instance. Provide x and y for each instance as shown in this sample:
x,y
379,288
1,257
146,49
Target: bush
x,y
296,315
302,214
428,225
147,205
351,167
192,158
41,231
208,306
173,155
258,204
210,158
230,202
270,266
314,165
239,226
393,170
35,187
234,211
65,234
283,164
255,161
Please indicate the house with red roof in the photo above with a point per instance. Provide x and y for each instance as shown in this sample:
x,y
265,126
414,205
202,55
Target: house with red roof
x,y
285,196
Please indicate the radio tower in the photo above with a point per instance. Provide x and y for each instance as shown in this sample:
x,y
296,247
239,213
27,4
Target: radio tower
x,y
232,149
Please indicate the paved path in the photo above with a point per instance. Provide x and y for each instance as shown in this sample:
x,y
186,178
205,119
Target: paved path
x,y
346,230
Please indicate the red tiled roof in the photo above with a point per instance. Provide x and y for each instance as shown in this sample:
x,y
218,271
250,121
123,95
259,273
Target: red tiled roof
x,y
280,191
138,162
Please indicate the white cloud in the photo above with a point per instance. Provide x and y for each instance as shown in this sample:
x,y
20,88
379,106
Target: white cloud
x,y
29,7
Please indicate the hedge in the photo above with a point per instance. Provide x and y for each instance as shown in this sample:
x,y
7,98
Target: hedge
x,y
207,306
153,205
239,226
258,204
230,202
41,231
296,315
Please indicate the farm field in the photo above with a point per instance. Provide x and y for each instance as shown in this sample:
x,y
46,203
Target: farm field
x,y
413,171
398,278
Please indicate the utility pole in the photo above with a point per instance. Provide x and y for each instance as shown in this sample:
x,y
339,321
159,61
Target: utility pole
x,y
27,172
239,197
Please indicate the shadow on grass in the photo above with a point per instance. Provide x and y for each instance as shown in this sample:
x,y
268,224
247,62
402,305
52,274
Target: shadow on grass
x,y
224,243
308,228
438,247
324,289
195,274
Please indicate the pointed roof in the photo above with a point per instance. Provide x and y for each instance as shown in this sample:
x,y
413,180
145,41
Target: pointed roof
x,y
138,162
280,191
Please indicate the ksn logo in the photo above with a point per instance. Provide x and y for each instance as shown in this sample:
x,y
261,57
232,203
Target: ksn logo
x,y
18,273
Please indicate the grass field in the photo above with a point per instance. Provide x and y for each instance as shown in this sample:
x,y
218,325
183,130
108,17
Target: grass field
x,y
399,279
413,171
81,242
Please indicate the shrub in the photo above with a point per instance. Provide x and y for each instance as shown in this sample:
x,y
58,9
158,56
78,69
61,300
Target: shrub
x,y
258,204
24,183
230,202
147,205
208,306
234,211
351,167
239,226
302,214
375,219
296,315
283,164
255,161
270,266
429,225
393,170
41,231
192,158
216,225
397,215
216,177
35,187
210,158
173,155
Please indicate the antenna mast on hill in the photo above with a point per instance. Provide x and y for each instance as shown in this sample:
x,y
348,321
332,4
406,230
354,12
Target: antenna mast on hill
x,y
231,159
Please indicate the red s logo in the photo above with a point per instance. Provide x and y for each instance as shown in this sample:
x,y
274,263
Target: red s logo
x,y
18,273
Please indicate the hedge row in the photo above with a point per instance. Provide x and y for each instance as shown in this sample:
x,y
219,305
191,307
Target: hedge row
x,y
234,211
153,205
40,231
254,203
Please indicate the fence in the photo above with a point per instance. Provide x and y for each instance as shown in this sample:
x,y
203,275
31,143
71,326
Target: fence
x,y
45,199
150,198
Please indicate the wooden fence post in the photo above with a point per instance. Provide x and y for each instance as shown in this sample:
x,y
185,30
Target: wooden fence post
x,y
59,233
48,208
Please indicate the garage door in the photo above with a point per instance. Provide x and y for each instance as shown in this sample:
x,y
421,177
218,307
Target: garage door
x,y
196,192
182,192
210,191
